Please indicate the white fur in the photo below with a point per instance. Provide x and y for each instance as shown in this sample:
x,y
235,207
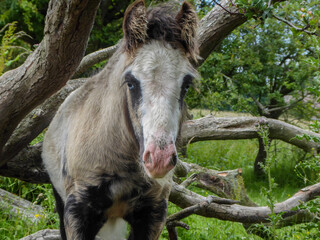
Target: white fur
x,y
160,69
113,229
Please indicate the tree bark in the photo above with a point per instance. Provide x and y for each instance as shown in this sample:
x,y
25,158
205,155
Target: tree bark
x,y
225,184
37,120
48,68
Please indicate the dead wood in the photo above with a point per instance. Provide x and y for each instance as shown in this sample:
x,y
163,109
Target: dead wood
x,y
233,128
19,208
47,234
184,198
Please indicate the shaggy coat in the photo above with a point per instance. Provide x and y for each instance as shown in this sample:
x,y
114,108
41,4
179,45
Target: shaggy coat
x,y
110,149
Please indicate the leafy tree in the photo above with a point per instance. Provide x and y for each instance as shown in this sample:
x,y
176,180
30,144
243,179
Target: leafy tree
x,y
262,68
255,69
29,15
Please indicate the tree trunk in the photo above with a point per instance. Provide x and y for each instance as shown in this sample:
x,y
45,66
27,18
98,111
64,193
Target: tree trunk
x,y
260,159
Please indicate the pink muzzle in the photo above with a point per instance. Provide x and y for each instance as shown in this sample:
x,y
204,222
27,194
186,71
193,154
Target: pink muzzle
x,y
159,161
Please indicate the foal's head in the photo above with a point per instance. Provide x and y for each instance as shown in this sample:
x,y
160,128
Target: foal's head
x,y
160,46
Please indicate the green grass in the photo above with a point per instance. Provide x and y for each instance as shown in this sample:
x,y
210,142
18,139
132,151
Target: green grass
x,y
219,155
15,228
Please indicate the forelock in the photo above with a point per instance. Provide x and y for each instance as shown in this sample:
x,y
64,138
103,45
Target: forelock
x,y
162,25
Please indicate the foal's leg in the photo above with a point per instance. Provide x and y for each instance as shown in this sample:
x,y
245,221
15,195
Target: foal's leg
x,y
60,210
84,212
148,219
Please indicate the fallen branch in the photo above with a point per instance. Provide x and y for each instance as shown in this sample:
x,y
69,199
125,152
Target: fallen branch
x,y
173,220
27,166
19,208
185,198
94,58
227,128
47,234
226,184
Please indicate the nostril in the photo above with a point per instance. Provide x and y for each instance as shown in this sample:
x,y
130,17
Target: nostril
x,y
174,160
147,157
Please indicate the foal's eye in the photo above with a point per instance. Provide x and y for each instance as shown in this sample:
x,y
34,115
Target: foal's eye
x,y
187,82
130,85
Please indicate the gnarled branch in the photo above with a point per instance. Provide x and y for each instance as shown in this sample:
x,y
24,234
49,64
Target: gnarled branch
x,y
48,68
185,198
227,128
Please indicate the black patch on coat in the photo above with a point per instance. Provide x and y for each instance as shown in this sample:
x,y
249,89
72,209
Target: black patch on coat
x,y
60,210
134,89
187,82
89,210
146,217
128,120
135,98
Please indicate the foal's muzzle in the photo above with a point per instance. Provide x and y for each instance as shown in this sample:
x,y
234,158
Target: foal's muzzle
x,y
158,161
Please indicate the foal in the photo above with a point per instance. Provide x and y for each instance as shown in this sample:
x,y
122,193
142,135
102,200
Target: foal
x,y
110,150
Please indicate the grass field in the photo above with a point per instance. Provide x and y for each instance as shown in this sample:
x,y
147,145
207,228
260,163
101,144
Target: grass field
x,y
220,155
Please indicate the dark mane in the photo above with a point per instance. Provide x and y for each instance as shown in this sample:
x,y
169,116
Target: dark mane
x,y
163,24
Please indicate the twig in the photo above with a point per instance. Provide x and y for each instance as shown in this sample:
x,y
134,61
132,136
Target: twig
x,y
199,206
286,107
189,180
231,13
295,27
260,106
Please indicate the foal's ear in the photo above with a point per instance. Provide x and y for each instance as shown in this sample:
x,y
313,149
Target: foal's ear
x,y
135,25
188,21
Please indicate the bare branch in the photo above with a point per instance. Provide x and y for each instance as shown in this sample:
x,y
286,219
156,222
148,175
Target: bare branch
x,y
227,128
14,206
185,198
263,109
47,234
94,58
303,29
225,8
286,107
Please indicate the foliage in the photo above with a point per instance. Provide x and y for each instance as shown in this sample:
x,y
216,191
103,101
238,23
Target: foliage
x,y
29,15
262,64
16,228
301,15
11,55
